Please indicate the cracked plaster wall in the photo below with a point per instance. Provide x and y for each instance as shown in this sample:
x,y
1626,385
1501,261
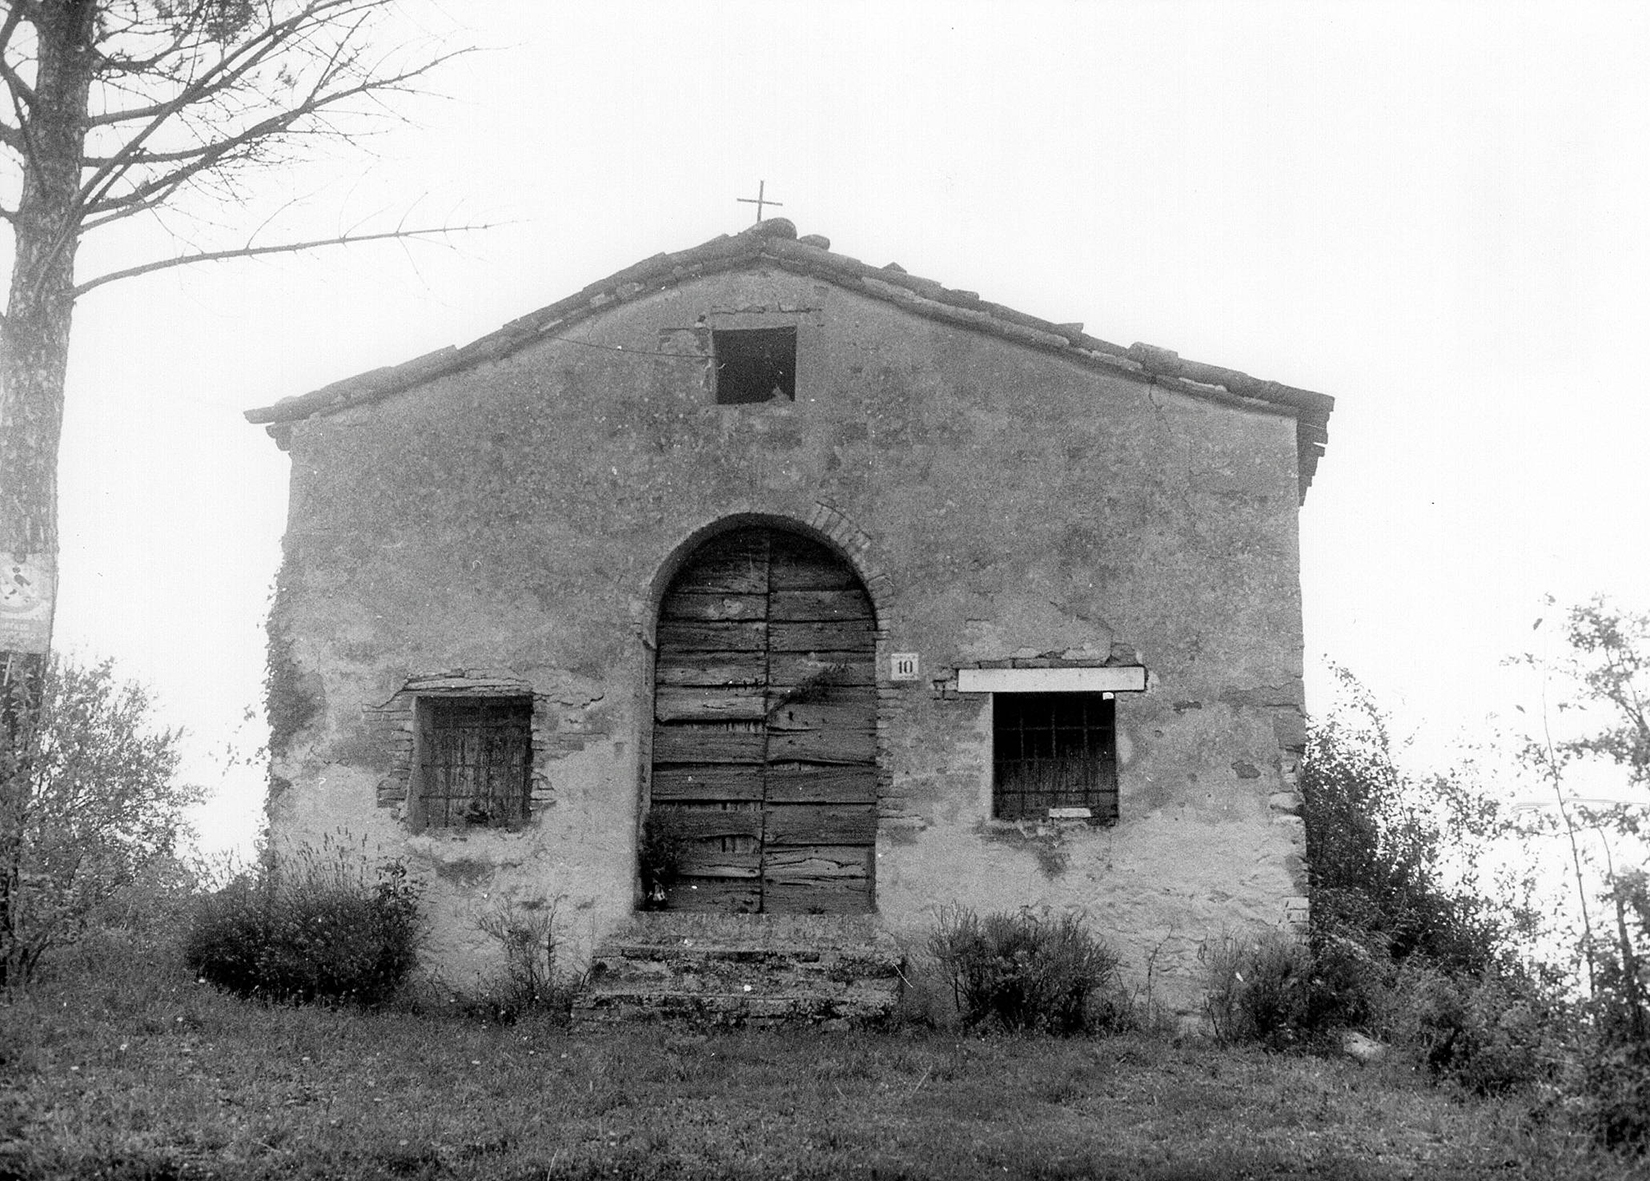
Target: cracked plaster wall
x,y
511,523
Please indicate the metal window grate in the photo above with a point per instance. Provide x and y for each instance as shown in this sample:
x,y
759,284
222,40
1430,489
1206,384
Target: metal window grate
x,y
477,762
1053,750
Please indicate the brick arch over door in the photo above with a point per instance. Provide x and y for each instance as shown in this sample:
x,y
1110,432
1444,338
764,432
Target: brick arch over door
x,y
764,743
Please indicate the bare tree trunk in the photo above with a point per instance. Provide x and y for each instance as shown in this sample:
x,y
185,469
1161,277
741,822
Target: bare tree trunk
x,y
34,353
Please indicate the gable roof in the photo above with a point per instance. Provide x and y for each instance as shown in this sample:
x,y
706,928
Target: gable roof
x,y
775,242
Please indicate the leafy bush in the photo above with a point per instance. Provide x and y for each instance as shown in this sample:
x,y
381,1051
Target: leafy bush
x,y
313,931
89,807
1259,991
1492,1033
1284,992
1616,1094
1023,972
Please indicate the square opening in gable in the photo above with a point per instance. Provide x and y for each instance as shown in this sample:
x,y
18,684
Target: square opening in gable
x,y
754,365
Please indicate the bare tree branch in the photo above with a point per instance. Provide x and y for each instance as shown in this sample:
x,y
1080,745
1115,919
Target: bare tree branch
x,y
99,191
216,154
250,251
20,90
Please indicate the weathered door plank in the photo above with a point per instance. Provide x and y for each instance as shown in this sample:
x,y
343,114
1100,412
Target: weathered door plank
x,y
787,670
803,783
823,746
811,896
711,669
716,895
841,635
685,742
704,824
707,782
704,859
718,607
826,714
806,824
696,703
691,635
807,606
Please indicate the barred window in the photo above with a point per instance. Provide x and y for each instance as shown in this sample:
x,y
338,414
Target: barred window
x,y
476,761
1054,752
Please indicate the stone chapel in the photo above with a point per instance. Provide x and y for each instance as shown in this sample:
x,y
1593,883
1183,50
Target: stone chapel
x,y
758,595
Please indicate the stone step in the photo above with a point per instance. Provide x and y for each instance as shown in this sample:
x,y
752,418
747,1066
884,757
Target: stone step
x,y
741,965
732,1009
817,932
743,969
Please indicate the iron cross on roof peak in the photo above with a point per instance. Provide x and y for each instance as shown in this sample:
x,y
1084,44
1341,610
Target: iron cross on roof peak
x,y
760,200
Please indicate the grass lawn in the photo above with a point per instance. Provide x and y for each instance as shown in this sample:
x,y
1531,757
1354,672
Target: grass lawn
x,y
134,1071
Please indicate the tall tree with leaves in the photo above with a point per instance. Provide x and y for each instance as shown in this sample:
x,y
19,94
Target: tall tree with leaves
x,y
103,805
1606,664
1393,857
110,112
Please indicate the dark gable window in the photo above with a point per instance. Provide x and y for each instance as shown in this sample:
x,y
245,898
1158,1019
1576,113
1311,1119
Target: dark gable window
x,y
476,761
754,365
1054,751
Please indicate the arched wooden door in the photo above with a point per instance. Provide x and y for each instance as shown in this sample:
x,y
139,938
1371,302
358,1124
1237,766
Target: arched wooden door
x,y
764,741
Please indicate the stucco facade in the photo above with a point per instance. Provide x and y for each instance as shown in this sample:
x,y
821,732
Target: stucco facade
x,y
508,518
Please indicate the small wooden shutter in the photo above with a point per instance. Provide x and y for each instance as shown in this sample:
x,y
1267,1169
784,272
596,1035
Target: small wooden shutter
x,y
764,747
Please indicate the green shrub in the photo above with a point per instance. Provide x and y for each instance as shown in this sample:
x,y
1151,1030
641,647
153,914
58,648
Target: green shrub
x,y
1283,992
1491,1033
1257,991
1616,1094
315,932
1023,972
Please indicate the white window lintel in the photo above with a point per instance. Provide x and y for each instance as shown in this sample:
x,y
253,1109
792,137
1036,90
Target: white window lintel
x,y
1121,678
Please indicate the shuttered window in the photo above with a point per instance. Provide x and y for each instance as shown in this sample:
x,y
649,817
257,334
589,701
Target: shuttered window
x,y
1054,752
476,760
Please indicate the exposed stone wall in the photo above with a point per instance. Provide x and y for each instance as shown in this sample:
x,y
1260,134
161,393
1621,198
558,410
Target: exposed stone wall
x,y
515,525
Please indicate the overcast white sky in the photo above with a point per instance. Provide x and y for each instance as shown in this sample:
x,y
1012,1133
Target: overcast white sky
x,y
1434,213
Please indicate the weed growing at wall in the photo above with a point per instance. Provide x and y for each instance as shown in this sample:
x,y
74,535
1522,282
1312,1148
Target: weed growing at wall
x,y
1028,972
288,706
660,854
533,980
315,928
